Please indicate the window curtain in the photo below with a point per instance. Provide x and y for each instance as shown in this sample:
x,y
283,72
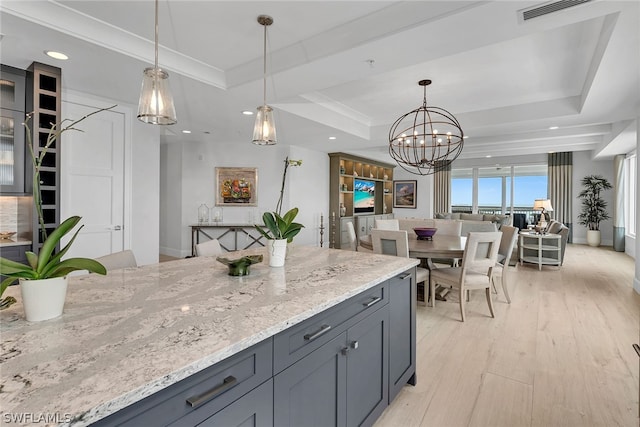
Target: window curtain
x,y
442,187
561,188
618,204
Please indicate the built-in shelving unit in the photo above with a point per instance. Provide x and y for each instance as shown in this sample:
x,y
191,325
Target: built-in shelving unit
x,y
344,170
44,99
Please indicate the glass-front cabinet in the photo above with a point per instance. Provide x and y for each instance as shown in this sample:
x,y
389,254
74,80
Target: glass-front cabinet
x,y
12,133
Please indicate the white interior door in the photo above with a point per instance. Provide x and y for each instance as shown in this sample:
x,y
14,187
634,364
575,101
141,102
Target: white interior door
x,y
92,180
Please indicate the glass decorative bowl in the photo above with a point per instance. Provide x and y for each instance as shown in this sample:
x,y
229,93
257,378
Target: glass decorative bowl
x,y
240,266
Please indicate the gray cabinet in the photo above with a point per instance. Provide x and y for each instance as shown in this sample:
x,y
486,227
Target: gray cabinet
x,y
313,390
12,133
402,332
252,410
341,367
342,383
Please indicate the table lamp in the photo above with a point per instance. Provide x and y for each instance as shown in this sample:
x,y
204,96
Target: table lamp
x,y
544,206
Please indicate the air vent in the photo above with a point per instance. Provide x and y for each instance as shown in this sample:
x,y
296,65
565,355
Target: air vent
x,y
547,8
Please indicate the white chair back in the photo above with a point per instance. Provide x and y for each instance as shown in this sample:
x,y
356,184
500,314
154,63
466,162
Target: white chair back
x,y
481,252
351,233
448,227
507,244
390,242
386,224
122,259
209,248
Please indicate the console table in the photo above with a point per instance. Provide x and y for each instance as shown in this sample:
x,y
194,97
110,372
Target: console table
x,y
540,249
235,228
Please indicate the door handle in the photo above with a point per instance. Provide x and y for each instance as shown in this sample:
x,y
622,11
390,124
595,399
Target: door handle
x,y
115,228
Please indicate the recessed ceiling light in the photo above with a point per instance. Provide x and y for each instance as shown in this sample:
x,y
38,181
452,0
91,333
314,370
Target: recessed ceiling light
x,y
466,136
332,137
56,55
553,127
488,156
247,113
186,131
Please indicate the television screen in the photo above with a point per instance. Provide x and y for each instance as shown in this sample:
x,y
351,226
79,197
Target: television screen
x,y
363,196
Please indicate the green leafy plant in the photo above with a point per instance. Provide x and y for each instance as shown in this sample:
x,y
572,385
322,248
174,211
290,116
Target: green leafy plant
x,y
47,264
280,227
593,206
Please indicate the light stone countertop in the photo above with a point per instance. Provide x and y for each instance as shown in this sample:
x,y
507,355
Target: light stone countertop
x,y
14,241
136,331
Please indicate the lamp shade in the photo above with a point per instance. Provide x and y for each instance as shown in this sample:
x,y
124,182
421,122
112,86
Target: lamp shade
x,y
542,205
156,103
264,131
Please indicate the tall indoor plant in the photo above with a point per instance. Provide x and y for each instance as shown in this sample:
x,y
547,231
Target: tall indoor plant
x,y
593,206
43,281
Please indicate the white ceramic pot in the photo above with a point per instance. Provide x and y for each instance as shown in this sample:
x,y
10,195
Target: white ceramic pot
x,y
593,238
43,299
277,252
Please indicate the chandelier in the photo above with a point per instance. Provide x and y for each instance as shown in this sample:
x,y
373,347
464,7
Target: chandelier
x,y
425,139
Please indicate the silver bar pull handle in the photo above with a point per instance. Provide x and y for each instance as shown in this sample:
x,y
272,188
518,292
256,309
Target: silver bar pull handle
x,y
323,330
372,302
405,275
198,400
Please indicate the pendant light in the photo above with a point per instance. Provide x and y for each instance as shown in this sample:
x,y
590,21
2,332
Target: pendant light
x,y
156,103
425,139
264,131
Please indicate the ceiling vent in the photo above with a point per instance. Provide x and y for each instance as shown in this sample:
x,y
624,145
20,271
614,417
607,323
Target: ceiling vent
x,y
547,8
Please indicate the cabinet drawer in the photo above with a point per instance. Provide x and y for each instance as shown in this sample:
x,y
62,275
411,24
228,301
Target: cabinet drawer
x,y
199,396
15,253
300,340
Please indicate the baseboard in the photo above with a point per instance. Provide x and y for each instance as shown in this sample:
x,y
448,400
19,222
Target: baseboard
x,y
176,253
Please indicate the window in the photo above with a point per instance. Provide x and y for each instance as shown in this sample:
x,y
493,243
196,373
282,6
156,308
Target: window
x,y
498,189
630,195
461,190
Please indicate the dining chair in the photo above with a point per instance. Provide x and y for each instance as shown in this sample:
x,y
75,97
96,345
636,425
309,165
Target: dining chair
x,y
351,233
122,259
209,248
507,244
447,227
386,224
476,270
396,243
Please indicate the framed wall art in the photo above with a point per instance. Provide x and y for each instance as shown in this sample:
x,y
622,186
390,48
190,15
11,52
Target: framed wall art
x,y
236,186
404,194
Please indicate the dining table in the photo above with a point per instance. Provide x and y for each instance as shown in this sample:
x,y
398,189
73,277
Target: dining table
x,y
439,246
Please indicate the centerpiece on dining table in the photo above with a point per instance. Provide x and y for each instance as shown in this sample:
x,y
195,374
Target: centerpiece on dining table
x,y
425,233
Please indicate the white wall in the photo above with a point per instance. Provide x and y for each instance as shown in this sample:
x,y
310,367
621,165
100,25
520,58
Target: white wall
x,y
309,191
171,199
583,165
424,195
145,192
188,180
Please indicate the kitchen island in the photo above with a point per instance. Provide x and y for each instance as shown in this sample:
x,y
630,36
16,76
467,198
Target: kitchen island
x,y
127,337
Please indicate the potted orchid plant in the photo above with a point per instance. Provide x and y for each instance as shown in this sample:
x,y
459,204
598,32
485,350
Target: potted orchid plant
x,y
43,280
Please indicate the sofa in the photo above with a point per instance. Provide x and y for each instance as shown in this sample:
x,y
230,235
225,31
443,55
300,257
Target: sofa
x,y
497,219
556,227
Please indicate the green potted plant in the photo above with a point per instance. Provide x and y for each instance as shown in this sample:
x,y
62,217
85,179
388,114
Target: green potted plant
x,y
593,206
43,280
279,231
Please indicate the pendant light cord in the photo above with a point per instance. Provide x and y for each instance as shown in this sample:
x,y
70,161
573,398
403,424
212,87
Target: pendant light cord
x,y
156,63
264,71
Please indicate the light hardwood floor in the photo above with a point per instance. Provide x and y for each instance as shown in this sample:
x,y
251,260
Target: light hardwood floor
x,y
559,355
